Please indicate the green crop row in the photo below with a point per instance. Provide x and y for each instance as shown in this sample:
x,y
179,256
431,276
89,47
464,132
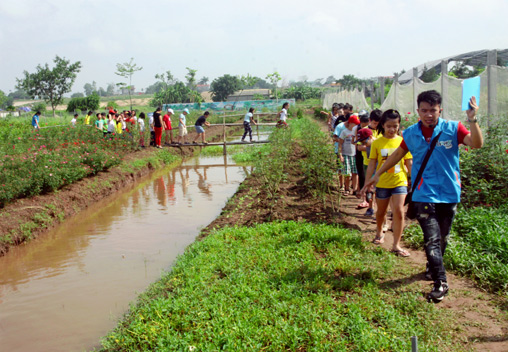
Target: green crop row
x,y
281,286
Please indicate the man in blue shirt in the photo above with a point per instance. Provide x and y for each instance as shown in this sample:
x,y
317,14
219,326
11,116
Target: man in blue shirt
x,y
438,192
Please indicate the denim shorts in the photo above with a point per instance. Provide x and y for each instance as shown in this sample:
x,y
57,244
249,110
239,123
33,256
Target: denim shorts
x,y
199,129
385,193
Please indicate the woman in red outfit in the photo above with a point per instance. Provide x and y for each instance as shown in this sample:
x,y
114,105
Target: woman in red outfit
x,y
158,126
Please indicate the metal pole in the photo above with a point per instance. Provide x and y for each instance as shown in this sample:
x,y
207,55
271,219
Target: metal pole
x,y
491,85
414,344
444,85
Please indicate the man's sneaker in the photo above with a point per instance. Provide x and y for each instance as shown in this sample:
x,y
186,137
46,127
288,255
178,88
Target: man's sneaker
x,y
440,290
369,212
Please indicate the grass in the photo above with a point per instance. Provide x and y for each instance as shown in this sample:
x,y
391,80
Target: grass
x,y
276,287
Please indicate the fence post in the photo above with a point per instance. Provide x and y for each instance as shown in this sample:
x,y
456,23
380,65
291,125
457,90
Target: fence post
x,y
492,85
444,85
381,90
414,344
372,95
394,87
415,93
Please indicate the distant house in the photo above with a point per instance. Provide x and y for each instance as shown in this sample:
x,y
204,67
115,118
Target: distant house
x,y
248,94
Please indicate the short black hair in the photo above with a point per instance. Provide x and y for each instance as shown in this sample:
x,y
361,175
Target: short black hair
x,y
390,114
76,115
364,119
348,106
206,113
375,115
251,110
430,96
286,103
142,115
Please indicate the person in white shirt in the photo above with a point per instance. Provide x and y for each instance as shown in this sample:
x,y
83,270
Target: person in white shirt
x,y
282,115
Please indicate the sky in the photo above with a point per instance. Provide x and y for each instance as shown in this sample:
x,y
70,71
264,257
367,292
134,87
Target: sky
x,y
299,39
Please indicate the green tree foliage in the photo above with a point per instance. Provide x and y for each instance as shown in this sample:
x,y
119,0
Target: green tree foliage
x,y
350,81
5,100
224,86
191,78
330,80
203,80
155,88
90,88
77,95
50,84
127,70
110,90
462,70
91,102
19,94
274,79
176,93
429,76
301,93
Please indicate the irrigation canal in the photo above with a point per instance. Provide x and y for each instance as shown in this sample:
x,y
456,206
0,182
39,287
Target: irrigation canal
x,y
68,288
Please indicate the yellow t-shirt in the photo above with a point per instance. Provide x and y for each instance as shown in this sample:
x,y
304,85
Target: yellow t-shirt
x,y
87,119
380,150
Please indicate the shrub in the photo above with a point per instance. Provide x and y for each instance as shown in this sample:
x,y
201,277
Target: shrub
x,y
91,102
484,170
40,106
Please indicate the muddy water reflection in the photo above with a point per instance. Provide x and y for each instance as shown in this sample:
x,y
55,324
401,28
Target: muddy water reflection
x,y
65,290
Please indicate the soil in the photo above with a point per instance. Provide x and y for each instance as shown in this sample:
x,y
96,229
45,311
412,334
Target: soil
x,y
482,317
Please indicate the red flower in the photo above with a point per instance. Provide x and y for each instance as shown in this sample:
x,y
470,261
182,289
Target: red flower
x,y
409,113
479,190
468,150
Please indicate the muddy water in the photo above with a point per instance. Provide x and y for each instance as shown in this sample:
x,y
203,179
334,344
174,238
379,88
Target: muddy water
x,y
65,290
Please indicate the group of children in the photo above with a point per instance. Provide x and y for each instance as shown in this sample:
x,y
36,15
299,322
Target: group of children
x,y
363,142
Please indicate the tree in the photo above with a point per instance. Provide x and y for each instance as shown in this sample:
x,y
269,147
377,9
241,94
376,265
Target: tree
x,y
5,100
224,86
110,90
349,81
191,78
429,76
126,70
77,95
204,80
19,94
50,84
90,88
274,79
101,92
330,80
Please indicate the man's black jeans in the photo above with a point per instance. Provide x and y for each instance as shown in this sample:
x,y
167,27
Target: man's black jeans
x,y
436,222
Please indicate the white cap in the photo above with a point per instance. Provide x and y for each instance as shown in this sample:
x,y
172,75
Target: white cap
x,y
171,111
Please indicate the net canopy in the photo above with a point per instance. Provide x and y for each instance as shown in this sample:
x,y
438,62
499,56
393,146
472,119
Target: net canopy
x,y
402,97
354,97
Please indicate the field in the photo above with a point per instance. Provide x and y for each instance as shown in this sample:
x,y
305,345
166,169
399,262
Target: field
x,y
284,267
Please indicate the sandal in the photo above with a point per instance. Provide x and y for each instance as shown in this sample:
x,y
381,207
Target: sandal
x,y
346,193
401,253
379,240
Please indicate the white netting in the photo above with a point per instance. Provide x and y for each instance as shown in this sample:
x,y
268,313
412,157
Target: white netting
x,y
402,97
354,97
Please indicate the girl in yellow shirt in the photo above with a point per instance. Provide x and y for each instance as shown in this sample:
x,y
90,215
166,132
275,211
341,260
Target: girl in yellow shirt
x,y
392,185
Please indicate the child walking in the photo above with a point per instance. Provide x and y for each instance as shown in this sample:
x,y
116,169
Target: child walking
x,y
393,183
347,151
